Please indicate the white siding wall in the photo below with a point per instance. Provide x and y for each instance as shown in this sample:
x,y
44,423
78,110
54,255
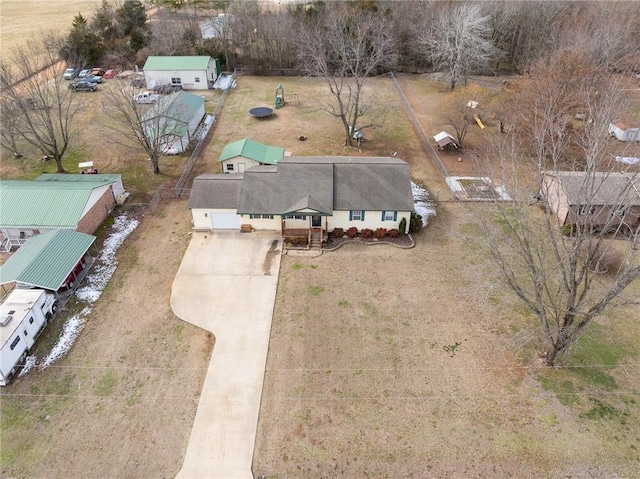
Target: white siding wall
x,y
235,161
262,223
372,220
187,77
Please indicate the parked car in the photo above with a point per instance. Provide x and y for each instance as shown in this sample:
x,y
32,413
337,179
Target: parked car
x,y
93,78
84,73
71,280
97,71
83,85
146,97
111,73
70,73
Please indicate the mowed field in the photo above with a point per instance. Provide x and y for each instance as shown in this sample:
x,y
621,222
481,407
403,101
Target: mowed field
x,y
382,363
23,19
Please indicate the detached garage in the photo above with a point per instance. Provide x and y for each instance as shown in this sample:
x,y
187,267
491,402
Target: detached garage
x,y
214,201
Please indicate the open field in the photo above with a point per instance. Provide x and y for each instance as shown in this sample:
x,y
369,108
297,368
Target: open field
x,y
383,362
27,18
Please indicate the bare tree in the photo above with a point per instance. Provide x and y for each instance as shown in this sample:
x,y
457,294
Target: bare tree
x,y
346,46
10,115
138,125
573,257
458,41
458,109
44,106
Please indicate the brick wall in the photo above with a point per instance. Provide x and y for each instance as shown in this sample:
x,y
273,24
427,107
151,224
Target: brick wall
x,y
97,214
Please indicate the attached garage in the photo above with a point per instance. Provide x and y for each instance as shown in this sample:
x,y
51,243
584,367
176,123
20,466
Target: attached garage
x,y
225,221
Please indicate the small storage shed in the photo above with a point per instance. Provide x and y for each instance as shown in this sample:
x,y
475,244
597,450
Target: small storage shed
x,y
243,154
188,72
173,120
623,131
444,139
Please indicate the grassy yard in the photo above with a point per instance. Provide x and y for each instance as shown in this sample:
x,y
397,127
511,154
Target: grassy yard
x,y
382,363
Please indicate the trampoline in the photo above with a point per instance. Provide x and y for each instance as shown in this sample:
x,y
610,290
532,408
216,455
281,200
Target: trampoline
x,y
261,112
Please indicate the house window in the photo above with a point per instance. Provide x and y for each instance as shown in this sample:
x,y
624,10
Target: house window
x,y
619,210
25,332
258,217
389,215
295,217
356,215
586,210
176,81
197,79
14,343
229,167
31,320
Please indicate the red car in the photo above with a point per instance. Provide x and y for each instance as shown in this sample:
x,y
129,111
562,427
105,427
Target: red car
x,y
72,279
110,73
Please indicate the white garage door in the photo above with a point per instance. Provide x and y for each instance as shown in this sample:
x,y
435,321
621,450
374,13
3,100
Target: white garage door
x,y
225,221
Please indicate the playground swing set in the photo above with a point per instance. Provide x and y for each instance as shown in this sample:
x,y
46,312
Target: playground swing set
x,y
280,102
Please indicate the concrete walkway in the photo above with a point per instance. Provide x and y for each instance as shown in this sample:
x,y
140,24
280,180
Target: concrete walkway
x,y
227,284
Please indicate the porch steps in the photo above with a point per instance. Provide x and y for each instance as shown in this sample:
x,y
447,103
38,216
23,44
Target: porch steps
x,y
316,240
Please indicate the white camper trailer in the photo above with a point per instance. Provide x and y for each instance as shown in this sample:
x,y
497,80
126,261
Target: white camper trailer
x,y
23,316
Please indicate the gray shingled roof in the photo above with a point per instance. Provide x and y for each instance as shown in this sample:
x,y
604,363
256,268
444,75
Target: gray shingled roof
x,y
323,184
215,191
600,188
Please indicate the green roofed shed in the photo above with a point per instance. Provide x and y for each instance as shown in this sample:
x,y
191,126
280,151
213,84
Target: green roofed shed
x,y
258,152
177,63
46,260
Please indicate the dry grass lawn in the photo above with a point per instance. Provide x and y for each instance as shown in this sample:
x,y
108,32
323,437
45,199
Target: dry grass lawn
x,y
24,19
383,362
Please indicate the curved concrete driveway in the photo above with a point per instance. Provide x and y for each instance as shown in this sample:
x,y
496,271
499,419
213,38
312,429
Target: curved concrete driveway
x,y
227,284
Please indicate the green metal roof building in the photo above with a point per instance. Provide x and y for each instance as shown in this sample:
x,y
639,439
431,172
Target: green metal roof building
x,y
46,260
189,72
45,204
174,119
258,153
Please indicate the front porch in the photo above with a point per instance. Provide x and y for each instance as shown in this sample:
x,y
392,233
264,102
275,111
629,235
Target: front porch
x,y
312,237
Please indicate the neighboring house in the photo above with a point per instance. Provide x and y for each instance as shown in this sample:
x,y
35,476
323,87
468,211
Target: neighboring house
x,y
188,72
301,195
115,180
624,132
217,27
172,121
602,199
243,154
53,260
28,208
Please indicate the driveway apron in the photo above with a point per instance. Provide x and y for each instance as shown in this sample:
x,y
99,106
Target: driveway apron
x,y
227,285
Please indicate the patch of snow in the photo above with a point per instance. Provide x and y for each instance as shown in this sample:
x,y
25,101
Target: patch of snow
x,y
29,363
70,332
107,263
422,204
223,82
104,268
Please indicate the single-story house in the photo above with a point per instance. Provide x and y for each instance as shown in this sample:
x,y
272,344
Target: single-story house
x,y
51,260
117,188
243,154
217,27
444,139
188,72
172,121
601,199
28,208
623,131
301,195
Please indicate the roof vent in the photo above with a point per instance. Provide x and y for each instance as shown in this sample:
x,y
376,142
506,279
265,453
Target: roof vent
x,y
4,320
